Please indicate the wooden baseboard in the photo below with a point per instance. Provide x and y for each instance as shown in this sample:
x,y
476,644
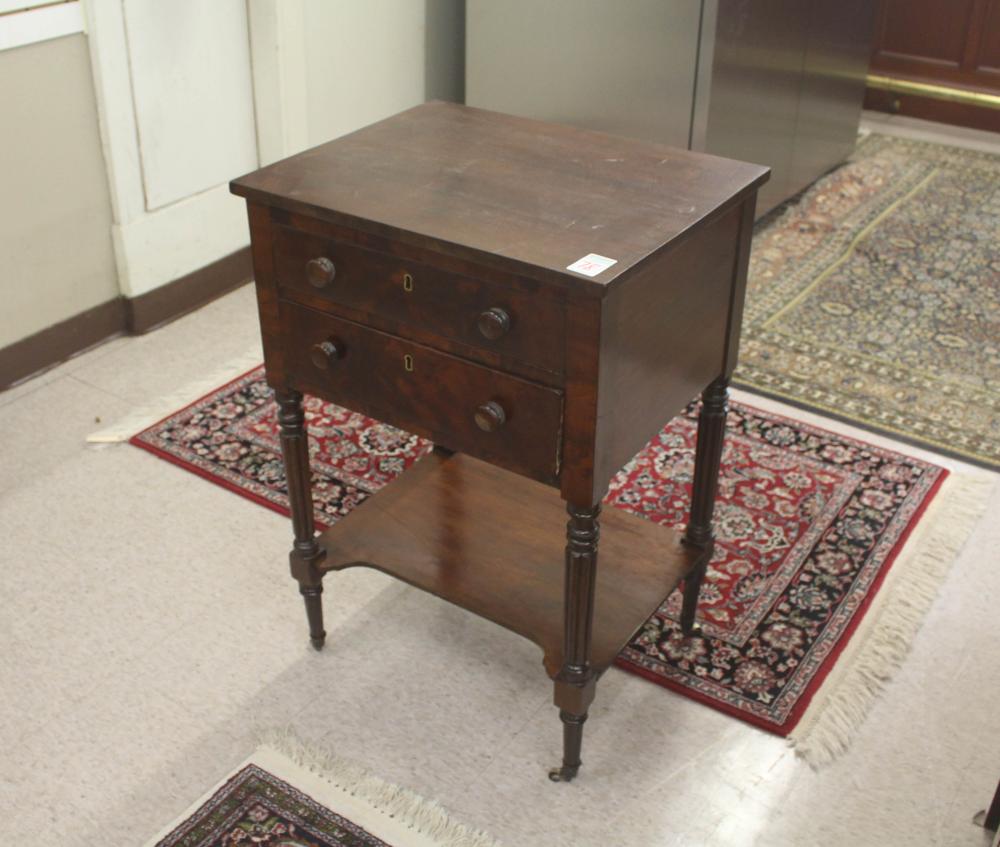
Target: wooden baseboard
x,y
58,343
135,316
170,301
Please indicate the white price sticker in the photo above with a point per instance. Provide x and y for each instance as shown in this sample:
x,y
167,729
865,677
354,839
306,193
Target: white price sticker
x,y
591,264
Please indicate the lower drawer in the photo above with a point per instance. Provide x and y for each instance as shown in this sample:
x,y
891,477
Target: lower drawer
x,y
467,407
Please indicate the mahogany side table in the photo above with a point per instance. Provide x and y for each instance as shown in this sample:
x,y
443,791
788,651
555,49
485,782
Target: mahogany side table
x,y
538,301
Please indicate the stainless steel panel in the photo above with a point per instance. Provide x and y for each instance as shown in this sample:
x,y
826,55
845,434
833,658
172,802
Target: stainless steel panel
x,y
756,77
833,87
626,67
703,75
777,82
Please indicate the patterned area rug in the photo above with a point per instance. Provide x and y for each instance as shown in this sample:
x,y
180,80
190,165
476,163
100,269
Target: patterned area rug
x,y
286,795
876,297
808,523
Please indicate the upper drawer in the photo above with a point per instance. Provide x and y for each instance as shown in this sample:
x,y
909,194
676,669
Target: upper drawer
x,y
486,315
486,413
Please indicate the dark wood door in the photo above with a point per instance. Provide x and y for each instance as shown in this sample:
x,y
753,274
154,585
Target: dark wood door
x,y
950,48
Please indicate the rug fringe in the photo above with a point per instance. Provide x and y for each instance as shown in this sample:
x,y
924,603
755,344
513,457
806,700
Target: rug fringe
x,y
425,817
880,644
156,410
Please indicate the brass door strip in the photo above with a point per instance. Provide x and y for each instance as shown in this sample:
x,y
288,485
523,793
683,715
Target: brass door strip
x,y
936,92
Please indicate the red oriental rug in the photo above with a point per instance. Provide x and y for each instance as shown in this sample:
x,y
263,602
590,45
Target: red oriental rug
x,y
808,524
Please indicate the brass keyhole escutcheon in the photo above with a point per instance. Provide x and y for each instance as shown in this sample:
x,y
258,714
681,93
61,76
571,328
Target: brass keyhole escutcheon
x,y
408,363
407,282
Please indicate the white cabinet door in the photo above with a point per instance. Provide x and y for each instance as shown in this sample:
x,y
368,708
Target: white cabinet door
x,y
193,95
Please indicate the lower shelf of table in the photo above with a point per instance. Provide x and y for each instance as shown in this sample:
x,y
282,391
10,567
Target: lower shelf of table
x,y
493,543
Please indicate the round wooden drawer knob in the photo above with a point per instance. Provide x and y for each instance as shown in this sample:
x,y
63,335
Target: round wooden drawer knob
x,y
324,354
493,323
490,416
320,272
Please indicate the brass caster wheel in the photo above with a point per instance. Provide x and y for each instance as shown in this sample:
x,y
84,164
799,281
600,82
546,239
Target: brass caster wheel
x,y
694,631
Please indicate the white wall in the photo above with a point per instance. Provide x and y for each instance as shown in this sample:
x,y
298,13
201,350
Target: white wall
x,y
364,61
194,93
55,214
187,94
175,99
190,66
323,68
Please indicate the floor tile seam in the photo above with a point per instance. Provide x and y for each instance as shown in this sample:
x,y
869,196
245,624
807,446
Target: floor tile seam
x,y
77,378
95,353
5,401
511,738
658,784
129,656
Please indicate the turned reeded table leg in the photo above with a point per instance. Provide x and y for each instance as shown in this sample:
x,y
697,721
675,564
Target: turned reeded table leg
x,y
574,686
707,459
991,820
306,553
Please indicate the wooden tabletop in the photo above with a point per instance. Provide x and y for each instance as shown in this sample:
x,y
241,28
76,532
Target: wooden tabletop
x,y
523,195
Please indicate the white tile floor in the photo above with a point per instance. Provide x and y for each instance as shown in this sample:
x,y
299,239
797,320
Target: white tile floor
x,y
149,626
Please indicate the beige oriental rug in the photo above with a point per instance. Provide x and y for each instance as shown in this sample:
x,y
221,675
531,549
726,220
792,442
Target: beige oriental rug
x,y
875,297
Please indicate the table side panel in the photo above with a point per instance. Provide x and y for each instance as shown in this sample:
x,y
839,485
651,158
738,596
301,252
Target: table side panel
x,y
583,348
664,339
741,266
261,235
